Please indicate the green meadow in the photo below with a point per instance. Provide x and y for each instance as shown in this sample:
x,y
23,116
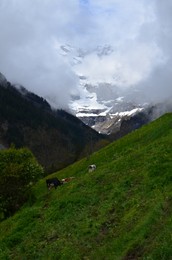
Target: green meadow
x,y
121,211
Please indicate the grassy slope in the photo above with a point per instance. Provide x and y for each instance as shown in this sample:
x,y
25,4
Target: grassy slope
x,y
123,210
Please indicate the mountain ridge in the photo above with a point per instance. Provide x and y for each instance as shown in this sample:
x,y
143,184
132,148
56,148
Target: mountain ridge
x,y
55,137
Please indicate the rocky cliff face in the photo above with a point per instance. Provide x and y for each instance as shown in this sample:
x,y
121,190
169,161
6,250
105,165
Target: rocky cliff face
x,y
108,123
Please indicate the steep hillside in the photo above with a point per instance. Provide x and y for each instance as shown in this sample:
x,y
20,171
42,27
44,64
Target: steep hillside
x,y
55,137
123,210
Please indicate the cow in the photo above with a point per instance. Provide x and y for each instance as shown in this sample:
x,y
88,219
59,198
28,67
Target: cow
x,y
91,167
54,182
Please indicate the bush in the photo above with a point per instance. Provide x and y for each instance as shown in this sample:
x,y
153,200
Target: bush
x,y
19,170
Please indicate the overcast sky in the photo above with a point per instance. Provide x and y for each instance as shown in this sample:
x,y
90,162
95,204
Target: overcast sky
x,y
139,31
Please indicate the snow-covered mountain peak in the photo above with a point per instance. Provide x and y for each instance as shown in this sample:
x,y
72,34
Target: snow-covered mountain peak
x,y
97,97
75,56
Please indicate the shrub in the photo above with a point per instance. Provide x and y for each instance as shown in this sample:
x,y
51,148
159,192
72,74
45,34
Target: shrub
x,y
19,170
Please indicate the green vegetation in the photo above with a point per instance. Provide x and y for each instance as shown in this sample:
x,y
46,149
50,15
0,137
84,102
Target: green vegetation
x,y
123,210
19,170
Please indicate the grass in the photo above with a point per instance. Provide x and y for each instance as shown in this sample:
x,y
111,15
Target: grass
x,y
121,211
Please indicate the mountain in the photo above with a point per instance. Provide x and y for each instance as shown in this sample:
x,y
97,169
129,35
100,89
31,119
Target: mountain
x,y
122,210
98,101
55,137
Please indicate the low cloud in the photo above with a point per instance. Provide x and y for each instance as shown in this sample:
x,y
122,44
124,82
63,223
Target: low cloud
x,y
138,32
29,29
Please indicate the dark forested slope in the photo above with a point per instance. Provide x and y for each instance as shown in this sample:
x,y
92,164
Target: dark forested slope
x,y
56,138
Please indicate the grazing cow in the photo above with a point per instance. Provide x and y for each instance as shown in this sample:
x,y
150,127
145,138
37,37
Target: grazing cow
x,y
91,167
54,182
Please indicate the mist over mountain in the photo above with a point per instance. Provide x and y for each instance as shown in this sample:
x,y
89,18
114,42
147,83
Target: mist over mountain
x,y
121,51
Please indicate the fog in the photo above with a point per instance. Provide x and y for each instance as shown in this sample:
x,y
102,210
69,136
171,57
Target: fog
x,y
139,33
